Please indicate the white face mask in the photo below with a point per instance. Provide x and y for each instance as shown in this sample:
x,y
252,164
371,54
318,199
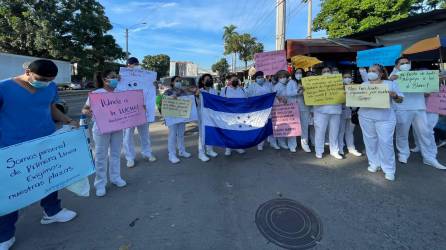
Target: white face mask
x,y
178,84
372,76
283,80
405,67
347,80
260,81
298,76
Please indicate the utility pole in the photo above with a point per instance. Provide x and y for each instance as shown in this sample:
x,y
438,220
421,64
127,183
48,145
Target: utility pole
x,y
126,43
280,24
310,19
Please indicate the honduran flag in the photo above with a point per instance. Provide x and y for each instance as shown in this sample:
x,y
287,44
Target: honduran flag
x,y
236,122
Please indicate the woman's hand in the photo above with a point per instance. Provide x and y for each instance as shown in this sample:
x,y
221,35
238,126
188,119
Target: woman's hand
x,y
392,94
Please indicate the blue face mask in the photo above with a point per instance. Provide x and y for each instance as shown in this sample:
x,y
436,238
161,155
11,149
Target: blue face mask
x,y
113,83
39,84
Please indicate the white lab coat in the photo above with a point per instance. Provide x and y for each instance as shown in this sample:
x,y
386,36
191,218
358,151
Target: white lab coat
x,y
107,153
289,91
256,89
305,115
175,139
231,92
378,127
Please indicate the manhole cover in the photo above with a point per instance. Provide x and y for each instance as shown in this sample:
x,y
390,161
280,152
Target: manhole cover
x,y
288,224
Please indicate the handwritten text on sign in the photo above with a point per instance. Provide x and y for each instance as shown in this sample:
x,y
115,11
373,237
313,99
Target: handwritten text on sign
x,y
385,56
436,102
176,107
286,121
323,90
32,170
367,96
271,62
114,111
424,81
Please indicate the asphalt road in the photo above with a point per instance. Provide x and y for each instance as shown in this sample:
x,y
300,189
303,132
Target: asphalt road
x,y
197,205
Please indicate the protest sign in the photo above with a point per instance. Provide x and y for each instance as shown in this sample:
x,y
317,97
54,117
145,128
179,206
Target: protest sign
x,y
436,102
193,115
140,79
385,56
271,62
32,170
114,111
179,108
286,120
323,90
424,81
367,96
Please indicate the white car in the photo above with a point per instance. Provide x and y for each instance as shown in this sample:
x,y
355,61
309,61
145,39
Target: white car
x,y
75,86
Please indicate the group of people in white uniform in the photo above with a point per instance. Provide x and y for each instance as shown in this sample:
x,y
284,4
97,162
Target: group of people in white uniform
x,y
331,125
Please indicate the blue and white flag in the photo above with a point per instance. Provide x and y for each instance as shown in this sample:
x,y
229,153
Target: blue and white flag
x,y
236,122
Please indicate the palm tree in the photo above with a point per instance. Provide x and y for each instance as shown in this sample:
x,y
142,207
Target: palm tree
x,y
230,38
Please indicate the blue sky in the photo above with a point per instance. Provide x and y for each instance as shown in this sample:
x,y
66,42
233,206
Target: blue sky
x,y
191,30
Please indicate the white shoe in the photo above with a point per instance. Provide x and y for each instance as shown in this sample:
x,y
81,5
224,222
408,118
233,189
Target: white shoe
x,y
100,192
185,154
130,163
240,151
119,183
203,157
174,159
389,177
373,169
435,164
326,144
211,153
319,156
260,147
150,158
415,150
402,160
275,146
293,150
283,146
7,244
64,215
354,152
337,156
305,146
228,152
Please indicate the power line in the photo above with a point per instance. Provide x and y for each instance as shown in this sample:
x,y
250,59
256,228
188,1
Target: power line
x,y
258,26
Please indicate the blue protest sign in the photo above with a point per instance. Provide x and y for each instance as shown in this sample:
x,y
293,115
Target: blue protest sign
x,y
385,56
31,170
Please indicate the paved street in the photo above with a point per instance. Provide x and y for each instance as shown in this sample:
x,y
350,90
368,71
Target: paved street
x,y
197,205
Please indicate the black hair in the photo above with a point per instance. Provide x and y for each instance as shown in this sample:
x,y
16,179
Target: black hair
x,y
400,58
201,83
100,76
230,75
282,72
258,73
42,67
293,75
385,75
132,61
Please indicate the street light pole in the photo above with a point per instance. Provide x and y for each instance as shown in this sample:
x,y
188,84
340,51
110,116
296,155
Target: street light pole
x,y
126,43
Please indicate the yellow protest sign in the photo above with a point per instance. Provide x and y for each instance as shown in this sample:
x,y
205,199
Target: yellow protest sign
x,y
323,90
367,96
180,108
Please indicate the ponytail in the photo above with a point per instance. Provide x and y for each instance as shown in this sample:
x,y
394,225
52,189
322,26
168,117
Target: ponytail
x,y
100,76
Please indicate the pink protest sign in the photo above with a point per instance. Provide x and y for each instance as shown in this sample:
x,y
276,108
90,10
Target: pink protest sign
x,y
436,102
114,111
271,62
286,121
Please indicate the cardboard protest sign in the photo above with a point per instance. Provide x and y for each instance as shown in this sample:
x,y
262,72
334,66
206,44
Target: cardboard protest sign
x,y
367,96
286,120
32,170
385,56
271,62
140,79
179,108
424,81
436,102
323,90
182,115
114,111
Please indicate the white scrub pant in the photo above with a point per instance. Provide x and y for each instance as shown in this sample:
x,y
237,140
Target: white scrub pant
x,y
418,119
304,124
289,142
321,122
432,120
378,141
144,138
201,145
107,152
346,130
176,139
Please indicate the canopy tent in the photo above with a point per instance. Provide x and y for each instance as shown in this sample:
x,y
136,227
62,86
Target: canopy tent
x,y
304,62
429,49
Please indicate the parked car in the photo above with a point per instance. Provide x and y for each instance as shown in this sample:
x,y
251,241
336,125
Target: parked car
x,y
75,86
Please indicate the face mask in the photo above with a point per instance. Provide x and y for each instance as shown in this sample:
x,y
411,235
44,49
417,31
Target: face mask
x,y
372,76
39,84
178,84
347,80
405,67
260,81
283,80
112,83
335,72
235,83
209,83
298,76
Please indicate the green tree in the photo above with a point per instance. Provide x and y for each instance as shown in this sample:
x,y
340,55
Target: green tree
x,y
344,17
159,63
221,67
248,47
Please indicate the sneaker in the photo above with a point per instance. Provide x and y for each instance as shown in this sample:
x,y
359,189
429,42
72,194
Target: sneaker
x,y
415,149
337,156
211,153
260,147
130,163
305,146
319,156
389,177
293,150
64,215
174,159
228,152
373,169
100,192
185,154
355,152
275,146
402,160
283,146
240,151
149,158
203,157
435,164
119,183
7,244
